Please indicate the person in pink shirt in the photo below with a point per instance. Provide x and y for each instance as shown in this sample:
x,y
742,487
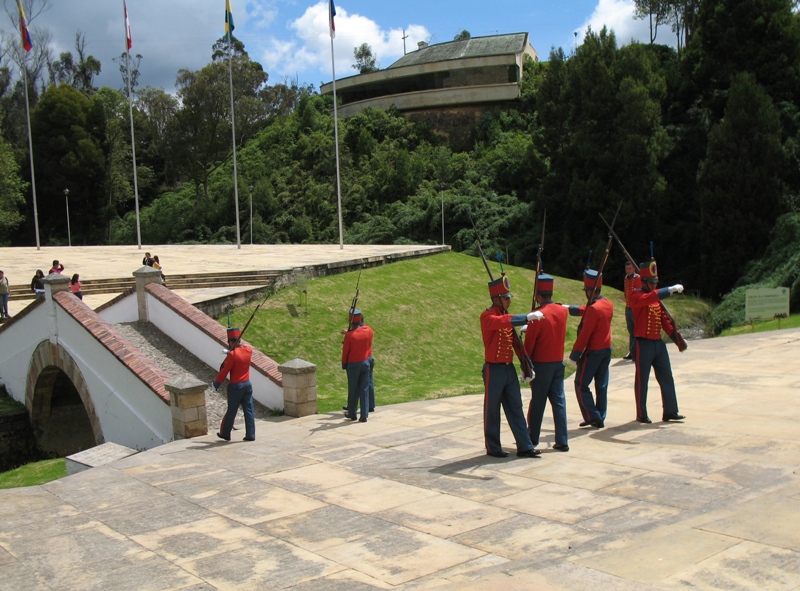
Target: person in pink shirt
x,y
75,286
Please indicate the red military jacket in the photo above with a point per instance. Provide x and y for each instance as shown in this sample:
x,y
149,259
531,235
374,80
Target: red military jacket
x,y
237,363
648,315
631,283
357,345
595,333
544,339
497,330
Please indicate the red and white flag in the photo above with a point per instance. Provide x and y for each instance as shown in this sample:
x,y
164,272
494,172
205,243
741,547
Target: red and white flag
x,y
128,38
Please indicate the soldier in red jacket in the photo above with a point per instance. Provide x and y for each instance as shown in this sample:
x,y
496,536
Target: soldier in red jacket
x,y
544,344
356,352
240,390
500,381
631,282
649,320
592,351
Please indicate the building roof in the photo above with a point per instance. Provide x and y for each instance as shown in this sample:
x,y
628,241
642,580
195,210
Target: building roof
x,y
512,43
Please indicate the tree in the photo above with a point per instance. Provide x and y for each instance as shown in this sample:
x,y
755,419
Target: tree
x,y
601,135
67,140
656,13
154,112
112,107
78,72
741,184
757,36
462,36
365,60
12,198
200,134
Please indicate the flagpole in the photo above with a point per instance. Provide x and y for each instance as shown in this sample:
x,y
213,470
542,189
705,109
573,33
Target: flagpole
x,y
30,153
133,141
336,132
233,133
26,46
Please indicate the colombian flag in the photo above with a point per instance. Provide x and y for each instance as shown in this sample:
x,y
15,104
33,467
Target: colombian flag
x,y
23,28
228,19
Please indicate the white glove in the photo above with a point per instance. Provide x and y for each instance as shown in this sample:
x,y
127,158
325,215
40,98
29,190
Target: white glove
x,y
565,306
523,328
676,288
527,380
535,316
225,351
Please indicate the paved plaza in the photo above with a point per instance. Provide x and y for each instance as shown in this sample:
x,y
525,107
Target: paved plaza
x,y
111,262
409,500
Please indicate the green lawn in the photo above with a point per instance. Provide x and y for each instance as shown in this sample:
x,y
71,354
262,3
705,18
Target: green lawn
x,y
33,474
425,315
792,321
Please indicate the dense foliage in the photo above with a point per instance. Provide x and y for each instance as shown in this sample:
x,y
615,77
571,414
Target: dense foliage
x,y
700,145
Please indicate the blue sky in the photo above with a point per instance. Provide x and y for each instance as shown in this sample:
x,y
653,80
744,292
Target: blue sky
x,y
290,37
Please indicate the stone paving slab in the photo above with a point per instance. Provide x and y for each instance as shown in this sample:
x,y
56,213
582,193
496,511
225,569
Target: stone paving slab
x,y
410,501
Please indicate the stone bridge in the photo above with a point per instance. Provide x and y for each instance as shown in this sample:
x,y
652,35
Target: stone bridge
x,y
84,383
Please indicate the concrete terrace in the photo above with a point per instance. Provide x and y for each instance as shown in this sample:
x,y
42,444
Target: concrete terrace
x,y
409,500
110,262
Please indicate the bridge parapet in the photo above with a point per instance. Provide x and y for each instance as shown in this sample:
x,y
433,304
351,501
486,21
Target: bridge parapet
x,y
188,401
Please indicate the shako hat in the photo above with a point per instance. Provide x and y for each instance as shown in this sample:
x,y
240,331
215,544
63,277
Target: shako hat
x,y
592,278
544,284
356,315
234,333
648,271
500,287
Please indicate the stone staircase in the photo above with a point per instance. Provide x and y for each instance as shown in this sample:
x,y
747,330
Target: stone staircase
x,y
186,281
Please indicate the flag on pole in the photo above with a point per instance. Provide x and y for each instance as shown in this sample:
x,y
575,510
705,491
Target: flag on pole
x,y
333,25
128,38
23,28
228,19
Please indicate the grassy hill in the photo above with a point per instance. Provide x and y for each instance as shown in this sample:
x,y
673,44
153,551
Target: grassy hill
x,y
425,315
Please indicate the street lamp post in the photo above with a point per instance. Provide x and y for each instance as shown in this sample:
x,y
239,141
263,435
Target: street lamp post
x,y
69,234
251,214
442,195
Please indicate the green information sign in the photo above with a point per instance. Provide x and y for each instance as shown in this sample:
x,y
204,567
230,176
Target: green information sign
x,y
765,303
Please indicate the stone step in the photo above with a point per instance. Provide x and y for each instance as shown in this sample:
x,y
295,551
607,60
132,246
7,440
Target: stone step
x,y
183,281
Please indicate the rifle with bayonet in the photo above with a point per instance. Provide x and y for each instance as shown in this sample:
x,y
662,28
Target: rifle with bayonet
x,y
525,363
247,324
354,302
593,294
538,263
676,336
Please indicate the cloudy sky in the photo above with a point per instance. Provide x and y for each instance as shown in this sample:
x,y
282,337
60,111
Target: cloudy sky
x,y
290,37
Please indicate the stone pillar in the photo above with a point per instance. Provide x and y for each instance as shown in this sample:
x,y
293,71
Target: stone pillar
x,y
53,283
187,398
144,276
299,388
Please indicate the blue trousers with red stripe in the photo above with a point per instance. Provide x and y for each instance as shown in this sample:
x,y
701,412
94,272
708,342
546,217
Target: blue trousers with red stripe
x,y
653,353
548,385
593,366
501,389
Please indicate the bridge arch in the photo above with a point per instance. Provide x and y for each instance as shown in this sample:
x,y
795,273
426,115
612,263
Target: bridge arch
x,y
57,398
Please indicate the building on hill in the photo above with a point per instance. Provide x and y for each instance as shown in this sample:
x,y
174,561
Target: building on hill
x,y
447,85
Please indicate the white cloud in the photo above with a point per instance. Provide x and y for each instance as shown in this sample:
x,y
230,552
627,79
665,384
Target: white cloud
x,y
617,15
310,49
